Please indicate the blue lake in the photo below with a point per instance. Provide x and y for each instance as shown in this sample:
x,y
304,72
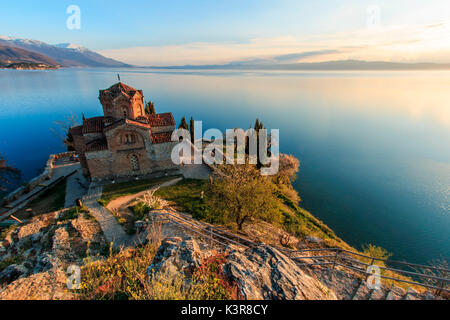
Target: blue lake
x,y
374,146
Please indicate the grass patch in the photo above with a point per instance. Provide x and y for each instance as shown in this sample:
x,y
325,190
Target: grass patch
x,y
186,194
55,196
114,191
74,213
299,221
52,199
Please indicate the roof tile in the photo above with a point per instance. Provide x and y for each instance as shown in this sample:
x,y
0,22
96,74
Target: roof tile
x,y
119,88
93,125
162,137
161,119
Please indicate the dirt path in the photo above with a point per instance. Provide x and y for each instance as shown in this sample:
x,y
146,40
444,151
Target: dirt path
x,y
125,201
112,230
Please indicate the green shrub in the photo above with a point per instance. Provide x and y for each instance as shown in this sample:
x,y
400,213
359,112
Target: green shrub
x,y
140,210
375,252
103,202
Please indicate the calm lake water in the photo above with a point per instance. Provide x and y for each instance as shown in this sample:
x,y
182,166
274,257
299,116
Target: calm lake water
x,y
374,146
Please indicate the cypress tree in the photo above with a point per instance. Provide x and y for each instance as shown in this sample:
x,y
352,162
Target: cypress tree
x,y
257,125
192,130
183,124
150,108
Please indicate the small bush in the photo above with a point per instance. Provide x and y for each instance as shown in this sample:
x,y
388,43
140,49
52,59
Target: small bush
x,y
375,252
210,282
124,276
152,201
147,203
140,210
103,202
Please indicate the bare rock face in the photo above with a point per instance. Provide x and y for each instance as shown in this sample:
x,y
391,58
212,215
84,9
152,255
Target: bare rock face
x,y
50,285
12,273
45,243
177,257
261,272
265,273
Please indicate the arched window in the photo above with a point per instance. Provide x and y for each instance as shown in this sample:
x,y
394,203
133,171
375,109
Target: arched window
x,y
130,138
134,161
125,112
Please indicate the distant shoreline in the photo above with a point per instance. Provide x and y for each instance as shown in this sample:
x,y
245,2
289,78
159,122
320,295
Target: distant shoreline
x,y
29,66
347,65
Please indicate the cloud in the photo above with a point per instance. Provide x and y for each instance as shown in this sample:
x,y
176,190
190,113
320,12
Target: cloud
x,y
406,43
296,57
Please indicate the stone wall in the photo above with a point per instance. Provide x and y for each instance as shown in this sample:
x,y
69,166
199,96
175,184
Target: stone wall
x,y
109,165
45,175
163,129
99,163
161,151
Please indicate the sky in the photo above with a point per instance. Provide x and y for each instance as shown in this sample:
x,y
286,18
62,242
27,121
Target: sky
x,y
216,32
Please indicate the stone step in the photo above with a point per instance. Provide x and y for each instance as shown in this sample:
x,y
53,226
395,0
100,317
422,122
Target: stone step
x,y
356,292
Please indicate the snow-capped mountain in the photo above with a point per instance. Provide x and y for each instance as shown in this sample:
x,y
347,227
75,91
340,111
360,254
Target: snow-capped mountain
x,y
66,54
19,41
72,46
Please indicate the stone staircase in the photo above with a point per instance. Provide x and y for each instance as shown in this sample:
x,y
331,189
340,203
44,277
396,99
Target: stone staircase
x,y
112,230
350,287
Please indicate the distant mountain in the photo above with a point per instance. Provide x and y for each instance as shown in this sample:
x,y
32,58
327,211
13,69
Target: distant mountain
x,y
316,66
72,46
66,54
18,58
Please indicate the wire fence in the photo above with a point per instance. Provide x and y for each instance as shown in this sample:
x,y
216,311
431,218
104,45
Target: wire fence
x,y
429,277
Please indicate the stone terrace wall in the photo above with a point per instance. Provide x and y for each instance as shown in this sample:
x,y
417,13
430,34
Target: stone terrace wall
x,y
45,175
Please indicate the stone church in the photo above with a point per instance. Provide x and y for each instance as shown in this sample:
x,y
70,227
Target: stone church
x,y
125,141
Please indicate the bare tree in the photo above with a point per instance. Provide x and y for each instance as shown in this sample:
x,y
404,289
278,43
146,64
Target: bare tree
x,y
289,167
62,130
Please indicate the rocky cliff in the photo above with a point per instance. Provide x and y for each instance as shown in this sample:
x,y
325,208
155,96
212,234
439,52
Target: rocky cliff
x,y
34,256
260,272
